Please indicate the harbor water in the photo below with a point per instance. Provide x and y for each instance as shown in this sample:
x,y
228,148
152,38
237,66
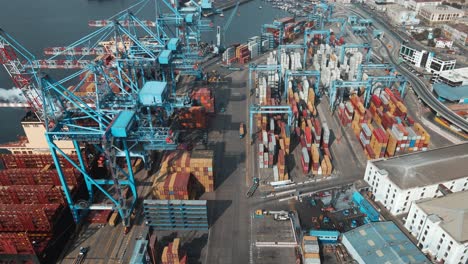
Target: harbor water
x,y
48,23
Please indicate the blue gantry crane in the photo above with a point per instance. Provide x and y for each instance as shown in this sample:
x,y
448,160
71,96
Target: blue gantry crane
x,y
115,106
367,47
291,74
221,32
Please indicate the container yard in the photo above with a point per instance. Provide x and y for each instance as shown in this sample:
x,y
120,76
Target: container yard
x,y
166,154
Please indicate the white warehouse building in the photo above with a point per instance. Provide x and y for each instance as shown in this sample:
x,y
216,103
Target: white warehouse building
x,y
398,181
440,225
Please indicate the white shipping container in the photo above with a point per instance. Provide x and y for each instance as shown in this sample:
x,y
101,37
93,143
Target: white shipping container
x,y
305,155
275,173
265,138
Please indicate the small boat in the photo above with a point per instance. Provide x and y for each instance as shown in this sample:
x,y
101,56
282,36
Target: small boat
x,y
221,15
260,7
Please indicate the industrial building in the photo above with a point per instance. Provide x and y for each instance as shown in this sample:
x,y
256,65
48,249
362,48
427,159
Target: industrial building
x,y
397,182
440,226
457,33
416,5
402,16
381,242
441,13
452,85
426,59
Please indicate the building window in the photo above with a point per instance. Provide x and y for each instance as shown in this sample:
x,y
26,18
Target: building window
x,y
438,247
440,241
422,194
446,254
448,248
407,198
425,232
423,239
443,235
421,222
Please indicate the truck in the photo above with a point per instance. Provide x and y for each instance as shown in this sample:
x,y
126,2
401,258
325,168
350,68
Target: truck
x,y
81,255
241,131
254,187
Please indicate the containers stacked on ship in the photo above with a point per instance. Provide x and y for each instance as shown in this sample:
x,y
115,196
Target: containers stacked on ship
x,y
243,54
268,41
254,45
193,118
204,97
34,218
229,55
385,129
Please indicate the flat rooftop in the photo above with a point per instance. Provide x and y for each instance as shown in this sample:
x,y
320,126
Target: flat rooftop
x,y
452,211
442,9
427,167
455,75
427,1
382,242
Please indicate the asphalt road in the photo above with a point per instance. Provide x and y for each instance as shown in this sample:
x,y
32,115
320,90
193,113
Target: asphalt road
x,y
230,227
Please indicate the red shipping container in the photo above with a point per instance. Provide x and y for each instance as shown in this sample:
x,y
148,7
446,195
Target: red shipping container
x,y
15,244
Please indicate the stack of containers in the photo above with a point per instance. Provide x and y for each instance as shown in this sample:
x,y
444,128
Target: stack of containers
x,y
271,148
98,216
341,114
379,142
204,97
261,163
282,172
305,160
311,250
172,162
177,186
193,117
285,138
326,136
32,203
171,254
395,133
315,158
229,55
201,167
326,165
243,54
425,137
317,131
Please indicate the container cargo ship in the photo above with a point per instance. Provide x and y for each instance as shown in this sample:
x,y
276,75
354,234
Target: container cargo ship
x,y
35,221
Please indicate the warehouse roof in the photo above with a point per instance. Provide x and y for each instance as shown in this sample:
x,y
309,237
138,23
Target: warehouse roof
x,y
427,167
455,75
452,211
442,9
382,242
451,93
427,1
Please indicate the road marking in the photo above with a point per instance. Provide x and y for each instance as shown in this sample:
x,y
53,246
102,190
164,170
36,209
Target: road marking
x,y
208,246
